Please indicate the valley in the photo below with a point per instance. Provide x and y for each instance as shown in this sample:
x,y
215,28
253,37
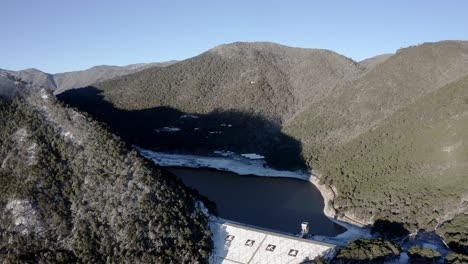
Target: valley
x,y
377,148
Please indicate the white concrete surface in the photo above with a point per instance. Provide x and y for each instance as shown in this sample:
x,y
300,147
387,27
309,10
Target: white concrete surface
x,y
236,251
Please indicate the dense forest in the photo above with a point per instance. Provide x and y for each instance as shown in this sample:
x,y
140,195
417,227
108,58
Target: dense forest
x,y
72,192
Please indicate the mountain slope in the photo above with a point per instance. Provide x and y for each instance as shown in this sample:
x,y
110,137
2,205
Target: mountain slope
x,y
63,81
35,76
75,79
72,192
370,63
408,75
263,78
411,168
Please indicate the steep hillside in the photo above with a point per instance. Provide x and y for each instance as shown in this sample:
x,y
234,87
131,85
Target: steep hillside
x,y
70,192
262,78
455,233
67,80
370,63
39,78
411,168
408,75
63,81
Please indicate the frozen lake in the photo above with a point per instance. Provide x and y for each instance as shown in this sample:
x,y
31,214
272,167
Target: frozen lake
x,y
267,202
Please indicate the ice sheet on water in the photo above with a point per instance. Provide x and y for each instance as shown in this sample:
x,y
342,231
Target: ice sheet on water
x,y
235,163
167,129
252,156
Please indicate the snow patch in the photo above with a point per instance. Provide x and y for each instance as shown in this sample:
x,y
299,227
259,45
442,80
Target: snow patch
x,y
352,233
44,95
189,116
224,153
430,246
24,215
215,132
21,135
167,129
451,148
68,135
235,164
202,207
252,156
32,154
226,125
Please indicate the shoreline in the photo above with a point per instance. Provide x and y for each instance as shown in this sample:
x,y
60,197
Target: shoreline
x,y
244,166
354,228
329,210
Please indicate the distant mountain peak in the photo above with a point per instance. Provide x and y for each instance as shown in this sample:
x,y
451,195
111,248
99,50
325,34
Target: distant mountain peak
x,y
33,70
60,82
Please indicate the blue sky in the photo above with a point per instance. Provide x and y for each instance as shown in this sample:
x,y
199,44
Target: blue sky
x,y
65,35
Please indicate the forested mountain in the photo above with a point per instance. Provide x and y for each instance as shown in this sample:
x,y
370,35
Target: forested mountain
x,y
60,82
394,141
72,192
388,134
264,78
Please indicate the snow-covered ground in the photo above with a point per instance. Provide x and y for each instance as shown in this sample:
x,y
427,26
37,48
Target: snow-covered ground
x,y
189,116
353,232
252,156
167,129
236,243
224,153
232,163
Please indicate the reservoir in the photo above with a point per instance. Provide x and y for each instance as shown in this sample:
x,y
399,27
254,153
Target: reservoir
x,y
268,202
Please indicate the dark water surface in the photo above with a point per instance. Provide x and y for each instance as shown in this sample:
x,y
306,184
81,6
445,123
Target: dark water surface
x,y
274,203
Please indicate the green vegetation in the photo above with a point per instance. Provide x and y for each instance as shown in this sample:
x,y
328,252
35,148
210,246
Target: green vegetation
x,y
424,255
263,78
70,191
455,233
410,168
367,251
454,258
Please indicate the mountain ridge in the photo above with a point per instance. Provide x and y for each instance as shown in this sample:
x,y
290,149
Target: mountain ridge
x,y
60,82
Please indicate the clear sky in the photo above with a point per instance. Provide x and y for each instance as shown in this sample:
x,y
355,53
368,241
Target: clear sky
x,y
65,35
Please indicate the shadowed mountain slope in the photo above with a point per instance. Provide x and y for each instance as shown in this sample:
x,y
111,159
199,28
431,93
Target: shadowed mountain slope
x,y
263,78
169,130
